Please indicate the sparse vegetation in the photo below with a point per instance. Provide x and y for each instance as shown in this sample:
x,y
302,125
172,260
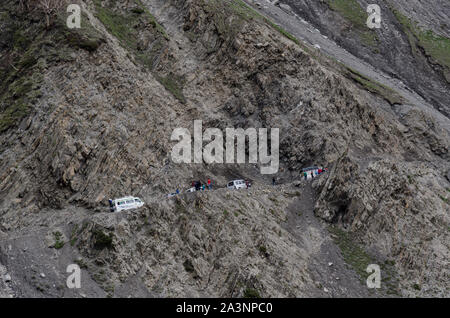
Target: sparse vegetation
x,y
73,235
247,13
354,255
102,240
173,84
88,39
227,25
58,242
358,259
32,47
179,207
263,249
374,87
126,26
121,24
80,262
229,17
251,293
109,289
50,8
436,46
352,12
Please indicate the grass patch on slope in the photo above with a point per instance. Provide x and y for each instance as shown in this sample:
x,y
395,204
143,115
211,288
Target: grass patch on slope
x,y
374,87
126,26
436,46
353,255
58,240
251,293
30,47
246,13
359,260
352,12
121,24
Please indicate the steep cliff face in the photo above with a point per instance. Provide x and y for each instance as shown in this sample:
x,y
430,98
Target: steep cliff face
x,y
99,112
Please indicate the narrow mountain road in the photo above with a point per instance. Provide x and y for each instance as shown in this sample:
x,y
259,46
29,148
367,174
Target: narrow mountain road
x,y
308,34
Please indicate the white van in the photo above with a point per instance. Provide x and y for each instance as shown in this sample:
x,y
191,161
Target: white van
x,y
236,184
126,203
190,189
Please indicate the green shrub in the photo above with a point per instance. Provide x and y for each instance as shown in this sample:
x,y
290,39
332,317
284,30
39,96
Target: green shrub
x,y
58,242
375,87
102,239
251,293
352,253
263,249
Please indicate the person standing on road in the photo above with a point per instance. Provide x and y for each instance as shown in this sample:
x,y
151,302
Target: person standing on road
x,y
209,184
305,175
273,181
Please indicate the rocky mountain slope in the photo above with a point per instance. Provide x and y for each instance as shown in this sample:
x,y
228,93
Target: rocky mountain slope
x,y
87,115
411,45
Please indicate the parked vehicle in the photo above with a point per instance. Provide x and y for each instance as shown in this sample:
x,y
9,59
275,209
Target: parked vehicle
x,y
125,203
170,195
191,189
311,172
236,184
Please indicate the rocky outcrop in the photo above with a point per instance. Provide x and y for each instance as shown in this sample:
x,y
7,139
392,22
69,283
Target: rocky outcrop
x,y
396,208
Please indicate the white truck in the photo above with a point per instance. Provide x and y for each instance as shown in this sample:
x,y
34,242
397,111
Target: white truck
x,y
125,203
